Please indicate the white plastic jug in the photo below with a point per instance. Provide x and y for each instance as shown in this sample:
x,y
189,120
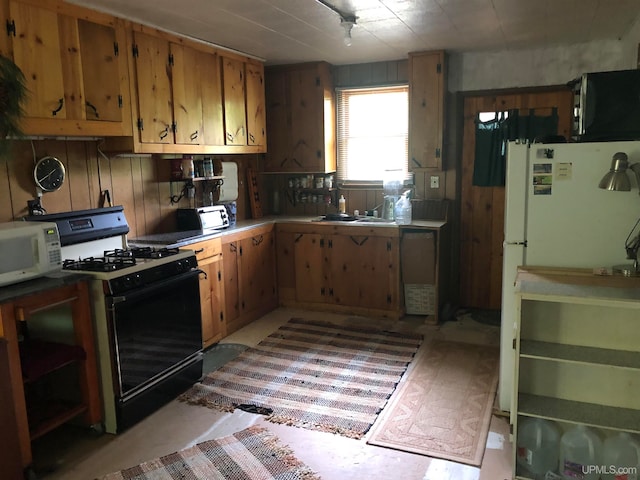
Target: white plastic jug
x,y
580,454
403,210
538,446
620,457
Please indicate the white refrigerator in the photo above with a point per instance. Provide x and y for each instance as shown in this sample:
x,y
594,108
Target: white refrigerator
x,y
555,215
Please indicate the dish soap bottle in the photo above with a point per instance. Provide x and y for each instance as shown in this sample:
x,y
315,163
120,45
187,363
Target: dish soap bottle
x,y
342,205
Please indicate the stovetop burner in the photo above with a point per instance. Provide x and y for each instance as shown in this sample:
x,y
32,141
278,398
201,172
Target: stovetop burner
x,y
118,259
99,264
151,252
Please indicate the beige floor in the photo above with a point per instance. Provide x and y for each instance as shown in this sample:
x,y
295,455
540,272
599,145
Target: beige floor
x,y
70,456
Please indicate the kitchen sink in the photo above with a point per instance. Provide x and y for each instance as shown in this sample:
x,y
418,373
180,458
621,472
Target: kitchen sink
x,y
350,219
373,220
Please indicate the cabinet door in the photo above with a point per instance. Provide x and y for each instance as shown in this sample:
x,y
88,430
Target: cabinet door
x,y
307,121
37,51
212,108
426,109
211,300
256,116
187,94
101,72
153,89
363,273
310,259
235,117
258,284
231,286
278,157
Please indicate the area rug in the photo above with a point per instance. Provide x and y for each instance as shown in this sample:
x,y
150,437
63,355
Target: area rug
x,y
311,374
443,407
252,454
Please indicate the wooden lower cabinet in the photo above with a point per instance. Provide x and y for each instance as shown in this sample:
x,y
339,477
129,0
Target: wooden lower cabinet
x,y
249,275
347,269
209,255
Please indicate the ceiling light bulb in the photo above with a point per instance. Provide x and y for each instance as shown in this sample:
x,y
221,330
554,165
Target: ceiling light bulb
x,y
347,24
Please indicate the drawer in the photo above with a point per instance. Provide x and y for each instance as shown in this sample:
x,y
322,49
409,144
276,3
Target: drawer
x,y
207,248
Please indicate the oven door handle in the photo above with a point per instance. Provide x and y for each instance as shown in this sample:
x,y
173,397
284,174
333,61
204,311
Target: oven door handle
x,y
151,289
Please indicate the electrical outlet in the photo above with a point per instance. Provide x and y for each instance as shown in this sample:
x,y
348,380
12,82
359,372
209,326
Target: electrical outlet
x,y
435,181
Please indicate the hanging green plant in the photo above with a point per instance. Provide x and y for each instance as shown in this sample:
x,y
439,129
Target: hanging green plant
x,y
13,94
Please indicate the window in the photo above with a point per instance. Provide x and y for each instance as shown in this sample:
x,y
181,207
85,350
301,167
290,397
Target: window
x,y
372,133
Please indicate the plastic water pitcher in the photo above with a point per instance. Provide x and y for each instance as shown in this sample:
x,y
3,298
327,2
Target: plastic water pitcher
x,y
538,447
620,457
580,454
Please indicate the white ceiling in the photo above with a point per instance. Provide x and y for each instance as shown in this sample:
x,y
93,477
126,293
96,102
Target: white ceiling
x,y
292,31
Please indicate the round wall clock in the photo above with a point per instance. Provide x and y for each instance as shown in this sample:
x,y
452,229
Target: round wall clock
x,y
49,174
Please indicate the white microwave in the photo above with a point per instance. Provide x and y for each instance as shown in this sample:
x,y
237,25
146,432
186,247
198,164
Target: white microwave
x,y
28,250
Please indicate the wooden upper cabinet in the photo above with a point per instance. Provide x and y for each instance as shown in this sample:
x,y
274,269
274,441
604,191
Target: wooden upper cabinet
x,y
77,79
36,50
209,68
256,114
187,94
100,50
300,119
235,117
427,85
155,115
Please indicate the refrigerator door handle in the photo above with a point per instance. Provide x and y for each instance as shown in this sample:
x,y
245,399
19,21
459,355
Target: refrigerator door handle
x,y
505,243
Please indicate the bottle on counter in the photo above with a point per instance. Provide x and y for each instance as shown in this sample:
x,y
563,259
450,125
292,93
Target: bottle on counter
x,y
342,205
403,210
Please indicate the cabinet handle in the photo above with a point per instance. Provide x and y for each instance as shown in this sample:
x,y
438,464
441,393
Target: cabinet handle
x,y
199,250
297,162
297,239
359,243
257,240
60,105
283,162
194,135
418,164
203,273
93,107
233,248
252,138
229,137
11,27
164,133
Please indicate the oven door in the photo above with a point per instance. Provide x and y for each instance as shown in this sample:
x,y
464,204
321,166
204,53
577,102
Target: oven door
x,y
156,330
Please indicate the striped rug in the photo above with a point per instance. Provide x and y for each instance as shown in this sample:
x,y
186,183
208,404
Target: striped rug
x,y
252,454
314,375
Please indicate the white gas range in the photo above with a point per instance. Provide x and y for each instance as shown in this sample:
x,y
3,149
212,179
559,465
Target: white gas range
x,y
146,305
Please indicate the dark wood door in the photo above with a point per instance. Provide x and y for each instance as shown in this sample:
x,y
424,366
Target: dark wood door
x,y
482,208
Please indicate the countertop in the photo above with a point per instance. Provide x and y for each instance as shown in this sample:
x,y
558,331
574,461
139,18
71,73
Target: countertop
x,y
183,239
40,284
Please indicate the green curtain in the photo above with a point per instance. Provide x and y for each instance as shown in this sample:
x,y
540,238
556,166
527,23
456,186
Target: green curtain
x,y
492,136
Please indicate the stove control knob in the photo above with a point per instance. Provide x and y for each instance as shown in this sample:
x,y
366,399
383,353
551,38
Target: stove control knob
x,y
179,266
137,280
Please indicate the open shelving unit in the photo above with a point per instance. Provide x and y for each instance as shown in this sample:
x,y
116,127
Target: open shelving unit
x,y
577,351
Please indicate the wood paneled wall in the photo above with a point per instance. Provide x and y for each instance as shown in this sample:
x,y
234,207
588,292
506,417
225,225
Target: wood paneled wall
x,y
139,183
482,208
